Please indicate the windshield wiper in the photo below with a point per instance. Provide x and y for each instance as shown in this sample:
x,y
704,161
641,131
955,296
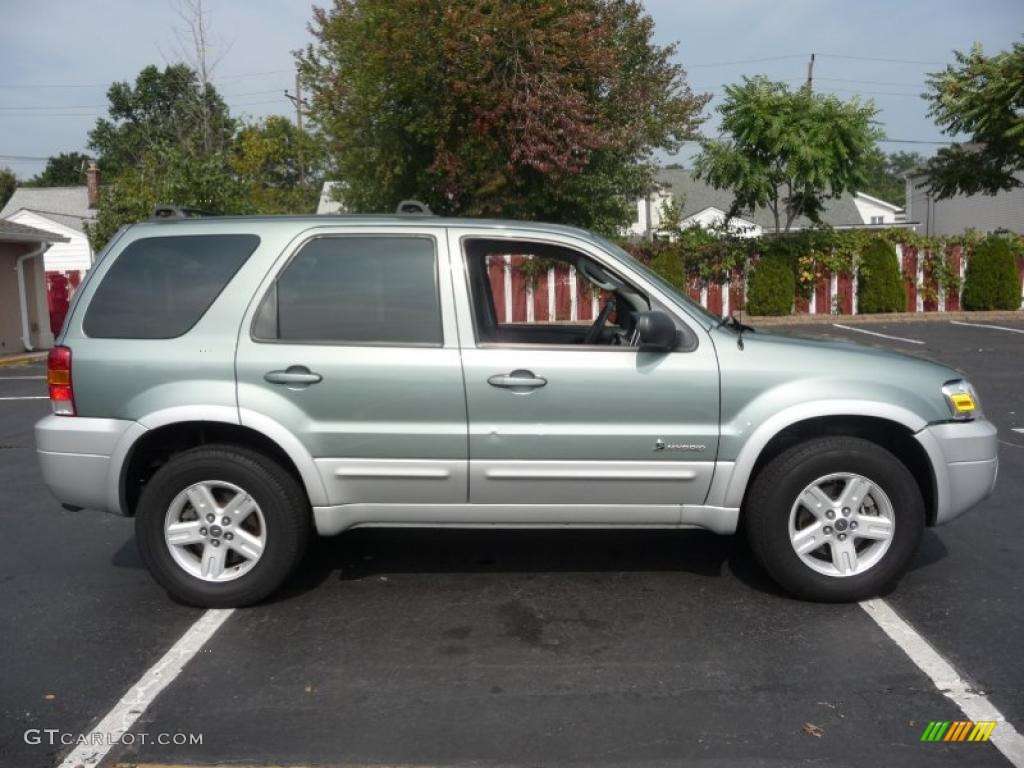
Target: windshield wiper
x,y
731,320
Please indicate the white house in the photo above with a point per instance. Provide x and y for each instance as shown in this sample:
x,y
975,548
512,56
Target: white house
x,y
328,204
63,211
875,211
703,205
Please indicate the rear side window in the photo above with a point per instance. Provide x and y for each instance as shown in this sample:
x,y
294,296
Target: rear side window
x,y
356,290
159,287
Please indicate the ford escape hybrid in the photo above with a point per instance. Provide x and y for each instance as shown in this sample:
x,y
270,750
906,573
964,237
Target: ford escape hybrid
x,y
237,384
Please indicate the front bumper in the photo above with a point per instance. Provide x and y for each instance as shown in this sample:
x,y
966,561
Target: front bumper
x,y
81,459
964,458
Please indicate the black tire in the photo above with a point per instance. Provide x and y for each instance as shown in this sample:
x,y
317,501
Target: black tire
x,y
282,501
771,496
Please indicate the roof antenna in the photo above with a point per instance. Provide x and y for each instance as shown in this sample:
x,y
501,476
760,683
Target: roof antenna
x,y
413,208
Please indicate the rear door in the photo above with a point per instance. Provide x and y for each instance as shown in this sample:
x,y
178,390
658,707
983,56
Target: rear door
x,y
351,345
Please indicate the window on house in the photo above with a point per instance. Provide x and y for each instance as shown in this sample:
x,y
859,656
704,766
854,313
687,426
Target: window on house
x,y
878,220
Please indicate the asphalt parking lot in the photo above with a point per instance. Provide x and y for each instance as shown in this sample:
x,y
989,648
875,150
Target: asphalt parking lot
x,y
403,647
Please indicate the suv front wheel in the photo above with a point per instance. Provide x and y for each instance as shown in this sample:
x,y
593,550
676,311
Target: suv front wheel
x,y
221,526
835,519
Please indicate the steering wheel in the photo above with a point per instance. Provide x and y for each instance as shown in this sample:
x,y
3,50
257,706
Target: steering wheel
x,y
594,334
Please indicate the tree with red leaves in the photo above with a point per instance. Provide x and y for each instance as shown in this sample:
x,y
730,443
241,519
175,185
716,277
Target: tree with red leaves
x,y
539,109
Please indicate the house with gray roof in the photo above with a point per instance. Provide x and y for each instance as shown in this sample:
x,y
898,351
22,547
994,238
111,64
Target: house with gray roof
x,y
1001,212
61,210
24,308
703,205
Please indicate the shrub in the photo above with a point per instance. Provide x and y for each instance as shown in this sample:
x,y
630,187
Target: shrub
x,y
880,287
668,263
772,287
992,280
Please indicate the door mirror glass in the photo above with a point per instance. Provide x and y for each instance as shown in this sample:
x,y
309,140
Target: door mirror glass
x,y
656,332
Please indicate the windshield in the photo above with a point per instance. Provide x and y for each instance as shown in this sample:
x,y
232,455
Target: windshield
x,y
673,292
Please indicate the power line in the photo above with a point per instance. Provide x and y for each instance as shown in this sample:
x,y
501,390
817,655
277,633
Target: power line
x,y
745,61
915,141
36,107
886,61
252,74
36,113
859,91
110,82
870,82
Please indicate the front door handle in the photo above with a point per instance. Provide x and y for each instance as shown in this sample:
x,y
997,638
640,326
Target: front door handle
x,y
294,374
517,380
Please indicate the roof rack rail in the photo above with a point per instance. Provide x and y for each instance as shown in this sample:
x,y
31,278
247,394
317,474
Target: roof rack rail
x,y
163,212
414,208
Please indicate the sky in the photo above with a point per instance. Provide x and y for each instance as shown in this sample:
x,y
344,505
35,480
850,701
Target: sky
x,y
57,57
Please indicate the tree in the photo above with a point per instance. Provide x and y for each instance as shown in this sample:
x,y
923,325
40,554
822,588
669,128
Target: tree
x,y
8,183
539,110
881,285
787,150
168,108
172,175
266,155
64,170
982,96
992,280
885,175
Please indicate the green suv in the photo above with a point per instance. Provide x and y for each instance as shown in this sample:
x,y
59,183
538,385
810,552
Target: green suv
x,y
236,384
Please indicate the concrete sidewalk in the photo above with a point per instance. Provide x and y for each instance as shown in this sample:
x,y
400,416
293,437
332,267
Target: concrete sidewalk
x,y
886,317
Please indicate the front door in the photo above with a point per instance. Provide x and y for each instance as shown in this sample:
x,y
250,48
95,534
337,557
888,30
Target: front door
x,y
564,410
352,348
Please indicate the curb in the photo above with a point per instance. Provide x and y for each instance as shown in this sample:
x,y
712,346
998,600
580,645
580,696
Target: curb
x,y
29,357
767,321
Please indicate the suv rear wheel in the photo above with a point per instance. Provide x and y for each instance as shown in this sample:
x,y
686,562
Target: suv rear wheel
x,y
835,519
221,526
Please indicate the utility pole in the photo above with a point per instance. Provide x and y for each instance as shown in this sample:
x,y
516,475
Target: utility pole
x,y
298,101
810,74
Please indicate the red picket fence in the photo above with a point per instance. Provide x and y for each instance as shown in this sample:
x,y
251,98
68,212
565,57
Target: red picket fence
x,y
558,295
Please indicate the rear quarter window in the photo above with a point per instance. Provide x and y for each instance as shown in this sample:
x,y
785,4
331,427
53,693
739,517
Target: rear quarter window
x,y
159,287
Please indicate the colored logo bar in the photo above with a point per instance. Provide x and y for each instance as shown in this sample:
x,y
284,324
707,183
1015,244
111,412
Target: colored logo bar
x,y
958,730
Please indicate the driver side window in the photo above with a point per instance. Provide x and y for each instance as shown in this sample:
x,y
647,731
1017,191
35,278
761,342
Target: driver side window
x,y
537,293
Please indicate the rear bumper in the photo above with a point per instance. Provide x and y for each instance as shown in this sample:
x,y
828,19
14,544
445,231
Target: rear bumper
x,y
965,460
81,459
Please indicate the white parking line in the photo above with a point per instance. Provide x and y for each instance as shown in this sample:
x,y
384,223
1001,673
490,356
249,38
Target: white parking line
x,y
19,378
1018,429
993,327
874,333
122,717
972,703
27,397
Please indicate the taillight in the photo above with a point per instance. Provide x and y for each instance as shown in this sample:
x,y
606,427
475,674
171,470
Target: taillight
x,y
58,376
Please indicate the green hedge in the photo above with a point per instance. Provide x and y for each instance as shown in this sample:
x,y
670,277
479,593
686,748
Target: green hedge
x,y
669,265
880,287
992,280
772,286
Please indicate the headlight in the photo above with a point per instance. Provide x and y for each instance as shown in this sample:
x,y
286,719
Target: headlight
x,y
962,399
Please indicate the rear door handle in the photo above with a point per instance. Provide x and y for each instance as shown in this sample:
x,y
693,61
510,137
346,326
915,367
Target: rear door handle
x,y
294,374
517,380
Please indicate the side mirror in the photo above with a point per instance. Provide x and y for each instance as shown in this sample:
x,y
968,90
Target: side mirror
x,y
656,332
